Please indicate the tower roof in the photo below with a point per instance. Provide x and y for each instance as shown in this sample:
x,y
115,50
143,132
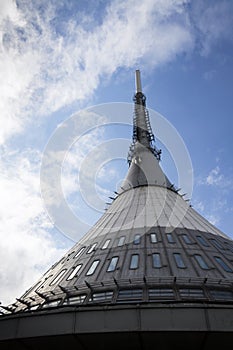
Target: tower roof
x,y
149,246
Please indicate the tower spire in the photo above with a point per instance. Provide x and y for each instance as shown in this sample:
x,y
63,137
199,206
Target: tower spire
x,y
142,131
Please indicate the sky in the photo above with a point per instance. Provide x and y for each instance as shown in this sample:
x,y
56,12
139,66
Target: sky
x,y
63,66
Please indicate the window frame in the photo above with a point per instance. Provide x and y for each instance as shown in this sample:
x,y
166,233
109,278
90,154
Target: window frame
x,y
132,263
96,264
179,263
114,261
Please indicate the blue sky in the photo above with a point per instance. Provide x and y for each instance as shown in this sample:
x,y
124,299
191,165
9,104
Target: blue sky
x,y
59,57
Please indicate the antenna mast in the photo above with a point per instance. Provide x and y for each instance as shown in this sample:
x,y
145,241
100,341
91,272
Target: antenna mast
x,y
142,131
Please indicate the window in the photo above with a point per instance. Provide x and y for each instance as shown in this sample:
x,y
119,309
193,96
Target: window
x,y
78,299
179,261
221,294
102,296
217,244
161,293
223,264
79,252
113,263
130,295
74,272
134,261
137,239
59,276
53,303
92,268
121,241
201,262
153,237
92,247
187,239
170,238
106,244
156,260
191,293
202,241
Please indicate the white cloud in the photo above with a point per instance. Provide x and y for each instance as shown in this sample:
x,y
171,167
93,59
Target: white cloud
x,y
213,19
26,246
214,177
47,62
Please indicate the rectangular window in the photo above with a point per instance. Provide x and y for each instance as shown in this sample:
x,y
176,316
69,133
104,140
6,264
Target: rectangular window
x,y
134,261
78,299
102,296
53,303
74,272
92,247
161,293
156,260
153,237
191,293
121,241
201,262
170,238
222,294
92,268
187,239
223,264
113,263
128,295
179,261
79,252
106,244
202,241
59,276
137,239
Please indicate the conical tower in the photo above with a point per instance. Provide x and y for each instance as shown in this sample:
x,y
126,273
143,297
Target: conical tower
x,y
150,271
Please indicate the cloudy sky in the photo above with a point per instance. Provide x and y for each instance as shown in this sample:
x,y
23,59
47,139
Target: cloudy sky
x,y
60,57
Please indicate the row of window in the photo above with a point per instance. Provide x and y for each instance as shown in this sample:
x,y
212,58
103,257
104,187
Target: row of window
x,y
134,264
153,239
136,295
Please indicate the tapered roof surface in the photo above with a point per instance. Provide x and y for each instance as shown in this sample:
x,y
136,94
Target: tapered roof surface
x,y
150,248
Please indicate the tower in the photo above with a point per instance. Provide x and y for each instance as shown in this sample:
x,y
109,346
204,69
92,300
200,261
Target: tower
x,y
150,273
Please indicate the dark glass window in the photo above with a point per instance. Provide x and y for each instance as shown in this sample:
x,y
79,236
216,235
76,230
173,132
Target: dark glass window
x,y
137,239
106,244
74,272
223,264
134,261
121,241
158,293
201,262
179,261
186,239
202,241
170,238
191,293
92,247
222,294
216,244
58,277
92,268
156,259
113,263
130,295
153,237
